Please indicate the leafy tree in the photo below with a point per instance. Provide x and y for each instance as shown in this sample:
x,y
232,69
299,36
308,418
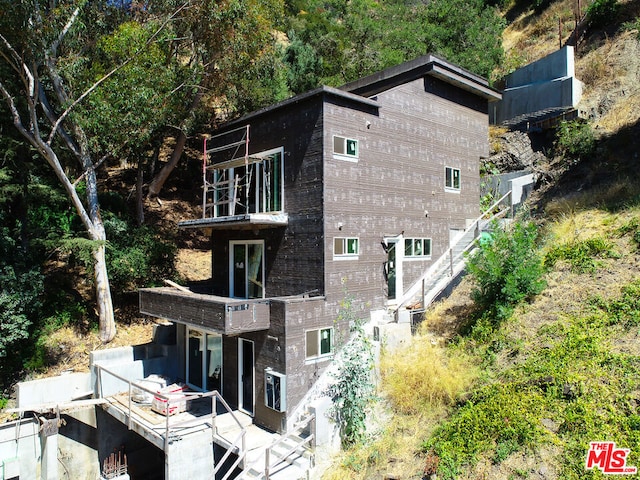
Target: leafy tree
x,y
506,269
42,97
233,58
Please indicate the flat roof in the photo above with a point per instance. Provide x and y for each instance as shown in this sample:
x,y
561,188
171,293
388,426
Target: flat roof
x,y
430,65
361,90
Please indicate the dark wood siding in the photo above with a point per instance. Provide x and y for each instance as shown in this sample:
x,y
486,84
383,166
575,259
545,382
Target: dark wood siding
x,y
294,255
397,185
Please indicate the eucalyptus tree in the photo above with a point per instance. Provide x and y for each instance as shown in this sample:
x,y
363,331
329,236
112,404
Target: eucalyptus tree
x,y
45,89
236,65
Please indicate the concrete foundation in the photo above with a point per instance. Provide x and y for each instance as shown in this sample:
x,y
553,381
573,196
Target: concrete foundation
x,y
20,449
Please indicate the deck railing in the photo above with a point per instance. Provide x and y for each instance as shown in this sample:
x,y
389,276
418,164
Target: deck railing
x,y
238,446
280,458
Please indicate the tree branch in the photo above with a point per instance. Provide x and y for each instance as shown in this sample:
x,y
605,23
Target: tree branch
x,y
112,72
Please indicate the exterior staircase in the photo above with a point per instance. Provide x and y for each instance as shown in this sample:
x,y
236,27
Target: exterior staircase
x,y
289,457
444,271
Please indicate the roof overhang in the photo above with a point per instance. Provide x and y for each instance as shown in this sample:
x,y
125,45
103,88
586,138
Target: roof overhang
x,y
428,65
251,221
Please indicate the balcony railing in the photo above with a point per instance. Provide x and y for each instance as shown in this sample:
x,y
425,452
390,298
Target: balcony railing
x,y
219,314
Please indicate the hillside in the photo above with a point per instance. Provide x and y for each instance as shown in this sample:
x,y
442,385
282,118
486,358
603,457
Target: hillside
x,y
525,400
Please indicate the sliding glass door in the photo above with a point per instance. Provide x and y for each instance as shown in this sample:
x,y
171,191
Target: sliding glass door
x,y
204,360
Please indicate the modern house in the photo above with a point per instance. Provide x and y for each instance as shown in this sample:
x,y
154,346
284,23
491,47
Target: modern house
x,y
359,193
350,191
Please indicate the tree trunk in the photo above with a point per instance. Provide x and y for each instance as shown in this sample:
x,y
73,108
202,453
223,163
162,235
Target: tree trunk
x,y
158,181
103,295
139,194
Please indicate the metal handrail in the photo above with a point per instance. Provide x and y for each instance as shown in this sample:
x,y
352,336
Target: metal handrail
x,y
214,395
282,458
448,255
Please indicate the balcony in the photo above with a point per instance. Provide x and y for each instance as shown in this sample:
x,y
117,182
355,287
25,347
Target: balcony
x,y
223,315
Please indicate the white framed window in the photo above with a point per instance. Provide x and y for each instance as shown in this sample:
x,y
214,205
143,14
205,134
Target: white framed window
x,y
345,148
452,179
319,343
346,247
417,247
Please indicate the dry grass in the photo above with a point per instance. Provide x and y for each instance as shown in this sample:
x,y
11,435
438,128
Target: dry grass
x,y
71,348
610,194
533,37
393,454
425,375
495,143
624,115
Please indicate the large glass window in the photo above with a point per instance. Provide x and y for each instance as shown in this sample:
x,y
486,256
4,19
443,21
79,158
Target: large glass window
x,y
204,360
247,269
251,186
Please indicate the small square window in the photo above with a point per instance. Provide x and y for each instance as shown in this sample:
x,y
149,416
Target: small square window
x,y
345,147
319,343
452,178
346,247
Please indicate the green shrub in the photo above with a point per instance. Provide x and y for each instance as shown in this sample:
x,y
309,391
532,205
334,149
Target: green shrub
x,y
498,419
633,25
602,12
506,270
575,140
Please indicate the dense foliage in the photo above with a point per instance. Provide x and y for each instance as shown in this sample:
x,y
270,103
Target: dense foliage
x,y
506,270
341,41
138,79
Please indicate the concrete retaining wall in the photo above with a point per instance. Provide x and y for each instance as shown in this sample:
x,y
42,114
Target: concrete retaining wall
x,y
548,84
53,390
132,363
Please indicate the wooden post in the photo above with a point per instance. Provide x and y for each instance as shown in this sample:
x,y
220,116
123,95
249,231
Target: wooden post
x,y
560,32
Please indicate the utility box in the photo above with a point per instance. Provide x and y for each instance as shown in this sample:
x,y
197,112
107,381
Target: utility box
x,y
275,390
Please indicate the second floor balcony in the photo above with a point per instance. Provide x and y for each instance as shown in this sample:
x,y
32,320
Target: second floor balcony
x,y
224,315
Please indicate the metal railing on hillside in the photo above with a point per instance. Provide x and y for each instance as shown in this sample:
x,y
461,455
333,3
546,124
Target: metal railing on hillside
x,y
238,446
446,265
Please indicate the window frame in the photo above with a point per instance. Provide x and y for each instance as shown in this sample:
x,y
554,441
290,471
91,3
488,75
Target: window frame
x,y
414,240
345,147
318,347
346,255
449,179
